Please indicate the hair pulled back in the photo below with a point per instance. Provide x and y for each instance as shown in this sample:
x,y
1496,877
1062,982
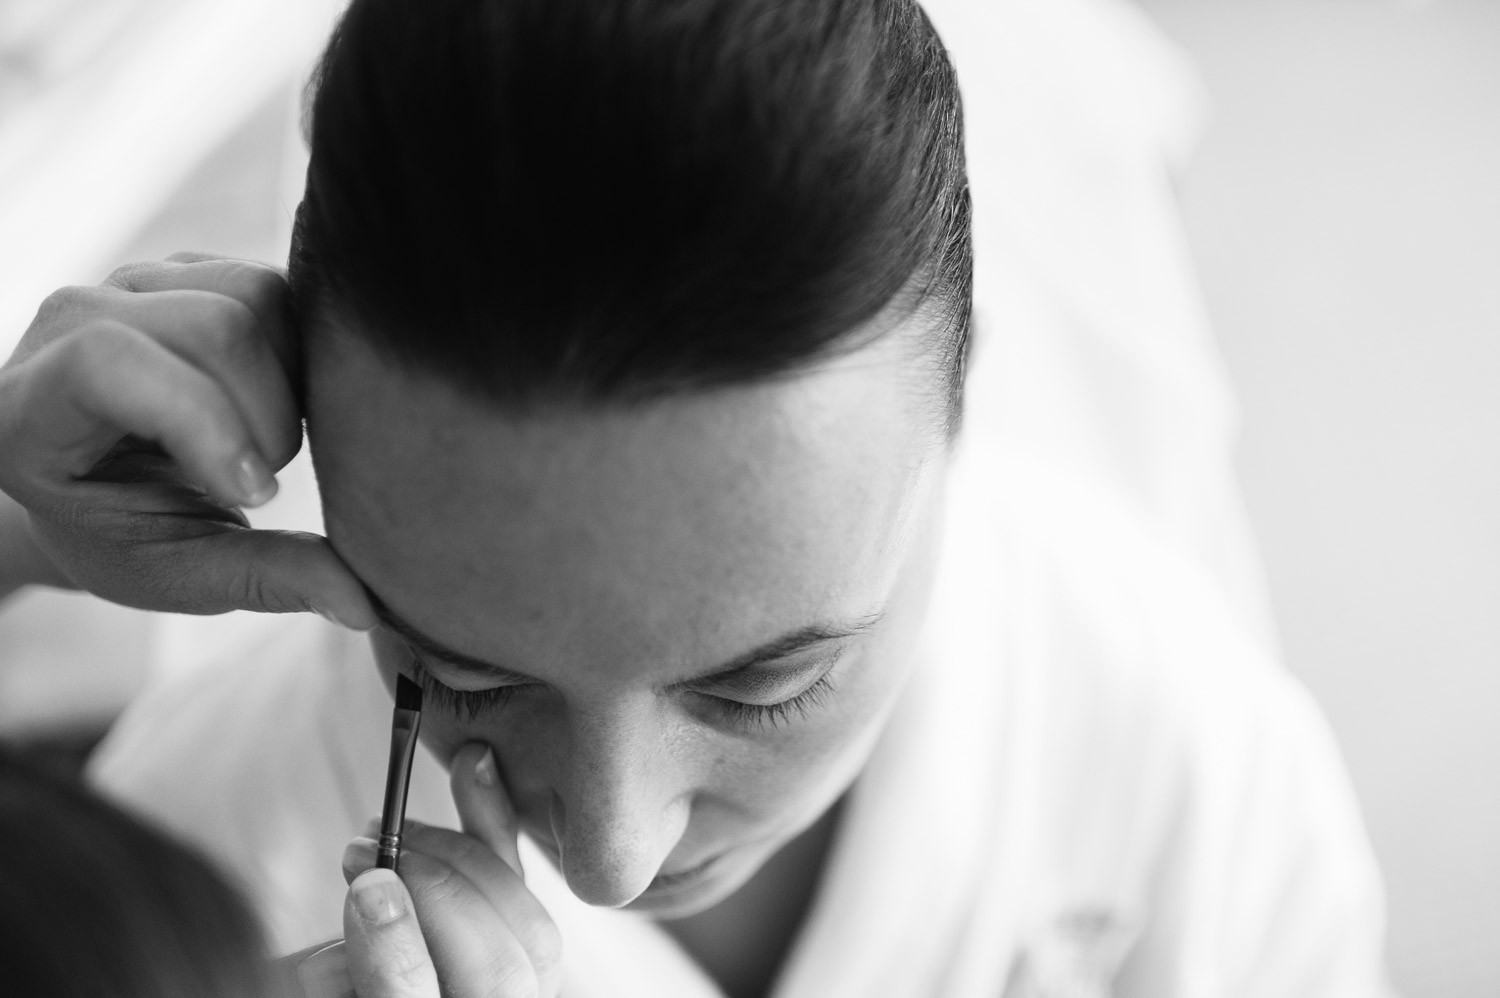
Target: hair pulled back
x,y
609,200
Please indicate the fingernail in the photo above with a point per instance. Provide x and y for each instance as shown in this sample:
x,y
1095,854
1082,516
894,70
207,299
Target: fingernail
x,y
254,479
379,896
485,773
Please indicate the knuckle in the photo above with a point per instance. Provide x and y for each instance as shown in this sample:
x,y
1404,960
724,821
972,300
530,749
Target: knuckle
x,y
98,347
545,950
100,351
251,590
58,315
24,418
444,885
225,321
77,517
467,850
430,880
509,977
456,849
545,947
137,275
49,383
73,516
230,329
65,305
427,838
263,288
258,286
402,957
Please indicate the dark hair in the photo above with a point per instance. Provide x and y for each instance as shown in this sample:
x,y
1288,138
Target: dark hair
x,y
94,902
608,200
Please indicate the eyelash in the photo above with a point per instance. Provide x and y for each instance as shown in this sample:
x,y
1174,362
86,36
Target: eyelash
x,y
772,715
464,704
468,704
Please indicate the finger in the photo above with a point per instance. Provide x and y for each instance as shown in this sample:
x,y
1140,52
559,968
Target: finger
x,y
269,571
228,336
197,256
84,392
475,951
255,284
226,339
387,955
476,863
465,854
153,546
485,812
502,886
484,807
359,856
259,287
194,256
320,971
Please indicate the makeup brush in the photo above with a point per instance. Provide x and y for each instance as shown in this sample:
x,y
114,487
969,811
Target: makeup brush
x,y
322,971
405,720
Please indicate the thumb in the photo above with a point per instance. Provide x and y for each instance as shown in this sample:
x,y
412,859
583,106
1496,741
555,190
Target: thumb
x,y
484,807
386,953
274,571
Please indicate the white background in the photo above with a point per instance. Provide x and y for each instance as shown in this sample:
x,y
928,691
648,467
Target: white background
x,y
1345,214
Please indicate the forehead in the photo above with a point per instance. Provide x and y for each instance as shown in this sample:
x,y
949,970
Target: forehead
x,y
693,526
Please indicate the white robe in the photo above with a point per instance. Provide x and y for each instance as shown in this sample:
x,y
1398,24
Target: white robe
x,y
1096,781
1100,781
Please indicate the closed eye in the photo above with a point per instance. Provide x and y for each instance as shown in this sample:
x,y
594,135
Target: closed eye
x,y
741,701
774,714
464,704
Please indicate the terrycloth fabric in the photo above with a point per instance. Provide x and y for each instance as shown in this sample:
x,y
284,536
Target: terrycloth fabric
x,y
1095,785
1099,781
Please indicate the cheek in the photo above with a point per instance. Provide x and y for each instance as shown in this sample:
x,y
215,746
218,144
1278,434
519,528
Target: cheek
x,y
741,780
745,774
808,765
821,757
783,778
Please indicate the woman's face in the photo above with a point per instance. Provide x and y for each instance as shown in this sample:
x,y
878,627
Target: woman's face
x,y
681,627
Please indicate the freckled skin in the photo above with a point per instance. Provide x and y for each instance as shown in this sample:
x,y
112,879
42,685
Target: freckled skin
x,y
611,554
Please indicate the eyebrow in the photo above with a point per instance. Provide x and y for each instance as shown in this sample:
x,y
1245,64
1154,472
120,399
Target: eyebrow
x,y
777,648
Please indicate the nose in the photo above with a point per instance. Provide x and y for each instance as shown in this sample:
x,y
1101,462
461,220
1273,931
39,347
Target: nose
x,y
620,808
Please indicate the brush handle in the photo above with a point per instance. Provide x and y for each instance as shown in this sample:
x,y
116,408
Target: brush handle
x,y
388,852
404,727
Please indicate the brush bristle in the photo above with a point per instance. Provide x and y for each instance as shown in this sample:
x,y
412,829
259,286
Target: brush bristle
x,y
408,694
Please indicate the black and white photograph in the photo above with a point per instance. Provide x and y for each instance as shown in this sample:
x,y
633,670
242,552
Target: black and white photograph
x,y
750,498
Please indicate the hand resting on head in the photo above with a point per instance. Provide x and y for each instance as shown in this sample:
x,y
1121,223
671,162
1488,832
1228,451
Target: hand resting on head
x,y
136,417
